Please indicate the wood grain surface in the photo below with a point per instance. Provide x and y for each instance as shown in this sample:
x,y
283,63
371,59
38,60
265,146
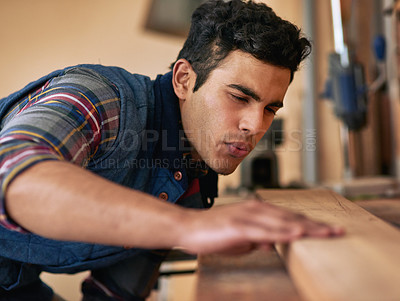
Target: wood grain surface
x,y
362,265
257,276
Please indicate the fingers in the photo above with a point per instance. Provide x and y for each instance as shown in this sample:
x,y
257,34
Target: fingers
x,y
243,226
281,220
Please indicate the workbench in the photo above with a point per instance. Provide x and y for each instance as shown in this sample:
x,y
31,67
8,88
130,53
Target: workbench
x,y
362,265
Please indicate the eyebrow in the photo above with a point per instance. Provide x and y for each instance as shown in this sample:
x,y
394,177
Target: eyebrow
x,y
254,95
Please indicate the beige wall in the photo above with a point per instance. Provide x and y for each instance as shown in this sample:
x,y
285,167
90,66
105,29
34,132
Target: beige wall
x,y
42,35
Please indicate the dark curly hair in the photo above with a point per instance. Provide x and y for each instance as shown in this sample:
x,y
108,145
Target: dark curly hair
x,y
219,27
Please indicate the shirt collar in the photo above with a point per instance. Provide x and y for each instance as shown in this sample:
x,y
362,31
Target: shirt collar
x,y
173,145
170,147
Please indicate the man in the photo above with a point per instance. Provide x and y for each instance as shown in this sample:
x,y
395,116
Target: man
x,y
94,159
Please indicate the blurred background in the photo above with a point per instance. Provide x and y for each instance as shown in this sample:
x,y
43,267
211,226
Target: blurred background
x,y
339,128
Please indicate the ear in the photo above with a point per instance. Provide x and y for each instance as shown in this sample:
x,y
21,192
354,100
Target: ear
x,y
183,78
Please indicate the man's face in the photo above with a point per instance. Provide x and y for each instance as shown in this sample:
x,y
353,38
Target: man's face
x,y
227,116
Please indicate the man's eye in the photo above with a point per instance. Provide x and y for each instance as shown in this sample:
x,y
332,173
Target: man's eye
x,y
239,98
270,110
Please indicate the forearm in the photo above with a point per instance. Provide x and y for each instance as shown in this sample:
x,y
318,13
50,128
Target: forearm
x,y
62,201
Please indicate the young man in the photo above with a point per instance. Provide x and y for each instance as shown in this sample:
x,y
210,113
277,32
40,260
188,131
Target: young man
x,y
93,159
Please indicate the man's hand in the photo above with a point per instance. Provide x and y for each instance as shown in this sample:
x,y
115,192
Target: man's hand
x,y
248,225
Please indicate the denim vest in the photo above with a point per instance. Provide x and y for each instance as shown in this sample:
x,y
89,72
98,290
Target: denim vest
x,y
146,157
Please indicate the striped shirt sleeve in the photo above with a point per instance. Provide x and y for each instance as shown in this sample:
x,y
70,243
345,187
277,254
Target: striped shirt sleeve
x,y
71,118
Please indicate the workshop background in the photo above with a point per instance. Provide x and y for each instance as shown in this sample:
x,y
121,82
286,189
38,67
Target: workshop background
x,y
310,145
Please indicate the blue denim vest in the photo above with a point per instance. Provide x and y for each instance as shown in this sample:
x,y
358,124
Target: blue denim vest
x,y
146,157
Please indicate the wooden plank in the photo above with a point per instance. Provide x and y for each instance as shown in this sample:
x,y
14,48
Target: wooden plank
x,y
257,276
386,209
362,265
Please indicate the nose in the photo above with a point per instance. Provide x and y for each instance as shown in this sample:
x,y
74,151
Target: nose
x,y
254,122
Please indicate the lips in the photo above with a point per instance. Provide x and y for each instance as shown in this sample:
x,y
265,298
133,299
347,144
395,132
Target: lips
x,y
239,149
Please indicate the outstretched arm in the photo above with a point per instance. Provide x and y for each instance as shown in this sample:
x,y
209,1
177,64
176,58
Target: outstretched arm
x,y
62,201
